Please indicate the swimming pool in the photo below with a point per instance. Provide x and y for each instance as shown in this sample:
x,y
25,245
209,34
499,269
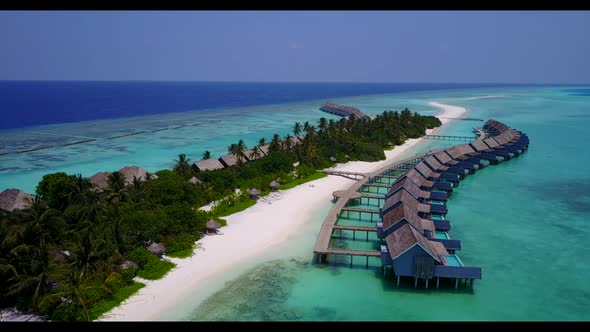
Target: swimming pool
x,y
438,217
453,260
441,235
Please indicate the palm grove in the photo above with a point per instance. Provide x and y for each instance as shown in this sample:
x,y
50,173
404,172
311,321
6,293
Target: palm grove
x,y
62,257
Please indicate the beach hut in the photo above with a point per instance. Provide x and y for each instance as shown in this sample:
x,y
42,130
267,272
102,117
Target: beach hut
x,y
274,185
212,226
129,265
194,180
254,193
332,159
131,172
403,214
403,197
100,181
207,165
14,199
157,249
229,160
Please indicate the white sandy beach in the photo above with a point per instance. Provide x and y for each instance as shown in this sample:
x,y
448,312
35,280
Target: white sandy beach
x,y
248,233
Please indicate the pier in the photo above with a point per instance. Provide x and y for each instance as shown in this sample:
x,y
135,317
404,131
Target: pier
x,y
411,223
452,138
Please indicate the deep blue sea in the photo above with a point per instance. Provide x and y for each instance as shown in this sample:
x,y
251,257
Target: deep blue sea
x,y
31,103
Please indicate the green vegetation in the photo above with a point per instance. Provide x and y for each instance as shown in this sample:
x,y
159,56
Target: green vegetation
x,y
101,307
296,182
62,256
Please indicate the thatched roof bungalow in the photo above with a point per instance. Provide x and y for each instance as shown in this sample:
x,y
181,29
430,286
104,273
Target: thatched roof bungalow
x,y
274,185
212,226
403,214
15,199
157,249
229,160
207,165
133,171
100,181
254,193
403,197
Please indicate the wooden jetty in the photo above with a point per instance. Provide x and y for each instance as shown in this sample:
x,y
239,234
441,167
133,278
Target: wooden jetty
x,y
322,247
452,138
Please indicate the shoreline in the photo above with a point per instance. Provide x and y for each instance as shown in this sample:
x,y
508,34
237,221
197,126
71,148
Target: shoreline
x,y
249,233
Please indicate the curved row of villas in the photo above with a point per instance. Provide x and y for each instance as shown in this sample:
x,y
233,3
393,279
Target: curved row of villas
x,y
414,226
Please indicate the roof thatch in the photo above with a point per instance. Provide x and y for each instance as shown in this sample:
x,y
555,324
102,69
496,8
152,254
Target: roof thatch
x,y
129,265
157,249
406,237
264,149
212,224
133,171
15,199
405,198
419,179
404,213
230,160
250,156
208,164
408,185
274,184
254,192
427,172
194,180
480,146
100,180
434,163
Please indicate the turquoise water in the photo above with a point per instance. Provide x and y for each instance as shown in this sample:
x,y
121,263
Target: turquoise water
x,y
524,221
532,209
453,260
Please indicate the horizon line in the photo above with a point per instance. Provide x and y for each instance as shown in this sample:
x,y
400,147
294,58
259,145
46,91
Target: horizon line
x,y
287,82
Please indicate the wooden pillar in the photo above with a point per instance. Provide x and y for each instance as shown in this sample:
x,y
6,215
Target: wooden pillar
x,y
367,237
350,260
456,283
340,233
471,282
353,234
367,265
415,282
398,281
427,283
437,281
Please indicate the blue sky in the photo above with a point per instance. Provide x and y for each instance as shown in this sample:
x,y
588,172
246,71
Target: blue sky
x,y
339,46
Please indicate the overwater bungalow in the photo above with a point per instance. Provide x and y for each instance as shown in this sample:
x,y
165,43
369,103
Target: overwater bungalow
x,y
457,152
402,214
437,206
498,148
411,187
207,165
470,154
436,166
429,174
344,111
15,199
410,254
402,196
446,160
485,150
427,184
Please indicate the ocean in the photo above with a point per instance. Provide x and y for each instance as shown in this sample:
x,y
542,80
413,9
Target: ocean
x,y
522,221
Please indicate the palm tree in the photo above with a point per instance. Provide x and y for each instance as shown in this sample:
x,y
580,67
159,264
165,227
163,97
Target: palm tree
x,y
256,153
116,182
322,124
46,223
297,129
79,188
261,141
287,142
238,150
275,143
206,155
182,166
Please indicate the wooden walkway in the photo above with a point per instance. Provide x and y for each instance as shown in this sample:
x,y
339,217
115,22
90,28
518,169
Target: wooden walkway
x,y
353,209
323,241
452,138
356,228
350,175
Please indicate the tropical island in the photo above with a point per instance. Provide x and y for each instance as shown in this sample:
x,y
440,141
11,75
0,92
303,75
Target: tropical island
x,y
80,246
